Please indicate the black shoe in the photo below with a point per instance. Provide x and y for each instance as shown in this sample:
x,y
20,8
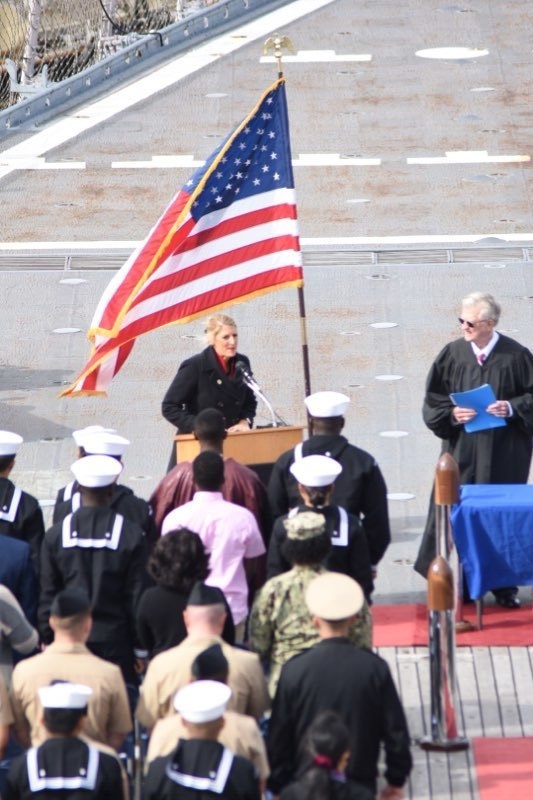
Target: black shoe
x,y
507,600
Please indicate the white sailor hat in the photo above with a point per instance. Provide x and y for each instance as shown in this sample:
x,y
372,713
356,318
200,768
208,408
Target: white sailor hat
x,y
9,443
316,470
202,701
80,434
104,443
327,404
65,695
95,471
334,596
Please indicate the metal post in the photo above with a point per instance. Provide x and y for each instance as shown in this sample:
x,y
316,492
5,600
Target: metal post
x,y
442,590
30,48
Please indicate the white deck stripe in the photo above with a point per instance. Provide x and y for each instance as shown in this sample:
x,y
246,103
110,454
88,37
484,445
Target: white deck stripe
x,y
318,56
82,119
329,241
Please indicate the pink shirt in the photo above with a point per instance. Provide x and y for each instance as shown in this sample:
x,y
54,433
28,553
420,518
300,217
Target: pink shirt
x,y
229,534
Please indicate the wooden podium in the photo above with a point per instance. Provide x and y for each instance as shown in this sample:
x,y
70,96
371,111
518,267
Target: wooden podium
x,y
253,447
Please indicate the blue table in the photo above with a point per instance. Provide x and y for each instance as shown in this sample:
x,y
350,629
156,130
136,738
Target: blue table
x,y
493,530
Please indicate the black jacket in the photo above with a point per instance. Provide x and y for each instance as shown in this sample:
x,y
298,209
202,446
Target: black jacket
x,y
348,554
123,501
199,384
68,758
180,775
103,553
21,517
337,675
360,488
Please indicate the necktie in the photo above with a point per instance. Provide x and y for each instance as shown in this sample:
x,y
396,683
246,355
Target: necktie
x,y
481,358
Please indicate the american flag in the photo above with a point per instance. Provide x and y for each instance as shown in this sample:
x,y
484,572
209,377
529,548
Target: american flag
x,y
230,234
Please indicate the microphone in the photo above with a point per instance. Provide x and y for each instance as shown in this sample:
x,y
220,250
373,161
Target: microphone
x,y
246,375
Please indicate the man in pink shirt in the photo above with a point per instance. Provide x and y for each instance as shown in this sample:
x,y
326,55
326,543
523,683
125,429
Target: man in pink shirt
x,y
229,533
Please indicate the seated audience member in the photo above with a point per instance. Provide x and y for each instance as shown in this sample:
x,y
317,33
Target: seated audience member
x,y
336,675
327,751
67,659
241,486
16,633
169,671
240,733
65,765
201,766
20,512
177,562
229,533
349,552
280,622
97,441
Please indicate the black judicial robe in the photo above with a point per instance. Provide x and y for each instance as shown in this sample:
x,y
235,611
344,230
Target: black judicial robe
x,y
66,768
360,488
349,551
201,770
100,551
498,455
123,501
356,683
21,517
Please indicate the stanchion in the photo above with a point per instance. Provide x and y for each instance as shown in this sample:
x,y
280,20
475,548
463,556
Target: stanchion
x,y
442,593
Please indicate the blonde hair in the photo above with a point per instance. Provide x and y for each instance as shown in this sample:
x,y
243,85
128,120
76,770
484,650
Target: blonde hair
x,y
214,325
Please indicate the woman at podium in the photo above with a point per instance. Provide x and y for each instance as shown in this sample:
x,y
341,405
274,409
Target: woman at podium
x,y
212,379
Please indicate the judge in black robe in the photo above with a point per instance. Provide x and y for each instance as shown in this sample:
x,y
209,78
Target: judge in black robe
x,y
496,455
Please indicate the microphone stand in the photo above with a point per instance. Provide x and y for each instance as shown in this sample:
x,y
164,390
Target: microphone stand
x,y
277,421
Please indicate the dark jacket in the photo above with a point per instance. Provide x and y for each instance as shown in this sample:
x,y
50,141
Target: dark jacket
x,y
348,554
200,383
123,501
21,517
360,488
103,553
68,758
337,675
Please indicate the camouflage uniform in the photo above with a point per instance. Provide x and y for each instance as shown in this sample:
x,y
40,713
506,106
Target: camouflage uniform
x,y
280,625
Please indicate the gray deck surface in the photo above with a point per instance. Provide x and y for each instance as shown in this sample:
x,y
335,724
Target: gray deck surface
x,y
472,228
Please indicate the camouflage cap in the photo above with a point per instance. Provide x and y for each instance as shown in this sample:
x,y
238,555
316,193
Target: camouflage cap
x,y
306,525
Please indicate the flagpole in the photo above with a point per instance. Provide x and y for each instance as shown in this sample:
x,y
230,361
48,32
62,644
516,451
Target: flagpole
x,y
276,43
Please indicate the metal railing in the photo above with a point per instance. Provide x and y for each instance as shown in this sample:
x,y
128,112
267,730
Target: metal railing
x,y
47,41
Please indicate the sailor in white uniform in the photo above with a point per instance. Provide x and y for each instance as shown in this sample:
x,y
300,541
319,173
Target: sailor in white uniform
x,y
201,768
64,765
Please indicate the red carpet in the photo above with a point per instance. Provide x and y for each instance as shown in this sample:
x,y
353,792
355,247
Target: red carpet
x,y
406,626
504,768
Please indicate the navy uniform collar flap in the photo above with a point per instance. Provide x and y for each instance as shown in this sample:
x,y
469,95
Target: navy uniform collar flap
x,y
214,782
110,540
41,777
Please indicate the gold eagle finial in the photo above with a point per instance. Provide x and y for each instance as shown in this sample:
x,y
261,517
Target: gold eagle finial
x,y
277,43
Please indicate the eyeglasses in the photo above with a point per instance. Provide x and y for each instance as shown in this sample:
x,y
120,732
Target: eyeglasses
x,y
470,324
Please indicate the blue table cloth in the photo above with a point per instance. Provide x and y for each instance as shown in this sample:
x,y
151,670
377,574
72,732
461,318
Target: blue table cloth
x,y
493,531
